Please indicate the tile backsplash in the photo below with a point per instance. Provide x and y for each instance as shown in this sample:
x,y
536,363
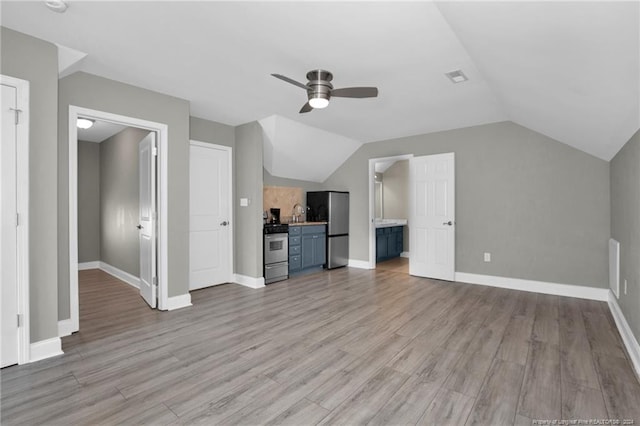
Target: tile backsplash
x,y
283,198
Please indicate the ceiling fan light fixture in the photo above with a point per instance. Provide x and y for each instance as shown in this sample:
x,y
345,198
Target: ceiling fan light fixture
x,y
84,123
318,103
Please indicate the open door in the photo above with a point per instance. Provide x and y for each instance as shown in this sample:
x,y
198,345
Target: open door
x,y
432,216
8,231
147,224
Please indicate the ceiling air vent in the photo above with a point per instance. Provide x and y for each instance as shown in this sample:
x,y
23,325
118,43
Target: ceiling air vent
x,y
456,76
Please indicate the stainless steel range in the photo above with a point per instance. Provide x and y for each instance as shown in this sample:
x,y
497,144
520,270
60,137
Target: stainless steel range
x,y
276,252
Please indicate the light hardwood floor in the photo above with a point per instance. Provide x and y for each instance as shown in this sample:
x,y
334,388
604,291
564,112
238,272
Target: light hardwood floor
x,y
346,346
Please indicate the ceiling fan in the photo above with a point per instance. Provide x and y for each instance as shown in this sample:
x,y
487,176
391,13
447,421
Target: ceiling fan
x,y
320,90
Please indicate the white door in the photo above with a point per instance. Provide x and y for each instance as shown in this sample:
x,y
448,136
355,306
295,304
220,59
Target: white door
x,y
8,231
432,216
209,216
147,224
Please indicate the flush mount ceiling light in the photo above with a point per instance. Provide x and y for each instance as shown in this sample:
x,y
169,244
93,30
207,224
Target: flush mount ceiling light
x,y
58,6
84,123
456,76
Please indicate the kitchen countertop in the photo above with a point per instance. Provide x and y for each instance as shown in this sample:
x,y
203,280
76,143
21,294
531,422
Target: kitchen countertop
x,y
386,223
306,223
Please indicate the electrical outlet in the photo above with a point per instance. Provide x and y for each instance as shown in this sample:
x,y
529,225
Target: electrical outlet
x,y
487,257
625,286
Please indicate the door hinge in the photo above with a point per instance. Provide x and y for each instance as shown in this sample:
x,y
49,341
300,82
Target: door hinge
x,y
155,281
154,151
17,219
19,320
17,114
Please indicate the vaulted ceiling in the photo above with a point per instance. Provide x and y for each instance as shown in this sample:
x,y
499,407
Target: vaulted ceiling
x,y
569,70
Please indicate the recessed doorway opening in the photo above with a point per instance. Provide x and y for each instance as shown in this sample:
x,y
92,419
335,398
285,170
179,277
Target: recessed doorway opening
x,y
151,222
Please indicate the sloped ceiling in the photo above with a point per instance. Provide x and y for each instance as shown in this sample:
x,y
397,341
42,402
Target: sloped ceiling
x,y
567,70
297,151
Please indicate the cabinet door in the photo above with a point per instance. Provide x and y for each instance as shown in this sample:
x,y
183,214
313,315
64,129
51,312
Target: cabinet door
x,y
320,257
400,240
308,251
382,242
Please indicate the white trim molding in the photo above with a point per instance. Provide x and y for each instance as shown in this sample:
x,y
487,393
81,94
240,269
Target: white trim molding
x,y
22,207
569,290
360,264
178,302
45,349
247,281
629,340
162,131
88,265
132,280
404,254
65,327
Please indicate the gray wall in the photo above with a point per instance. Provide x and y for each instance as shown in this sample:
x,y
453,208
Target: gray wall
x,y
625,226
120,200
88,201
395,198
210,131
248,232
34,60
98,93
540,207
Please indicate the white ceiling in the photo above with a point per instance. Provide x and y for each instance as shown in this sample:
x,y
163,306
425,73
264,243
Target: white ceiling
x,y
298,151
100,131
567,70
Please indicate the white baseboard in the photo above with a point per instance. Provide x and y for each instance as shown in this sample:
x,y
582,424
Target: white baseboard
x,y
88,265
120,274
581,292
630,342
178,302
360,264
65,327
247,281
404,254
45,349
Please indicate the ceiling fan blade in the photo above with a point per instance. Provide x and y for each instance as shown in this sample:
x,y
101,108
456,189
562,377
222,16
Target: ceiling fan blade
x,y
306,108
291,81
355,92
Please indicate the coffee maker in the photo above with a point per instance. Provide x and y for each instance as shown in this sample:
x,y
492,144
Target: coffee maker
x,y
275,215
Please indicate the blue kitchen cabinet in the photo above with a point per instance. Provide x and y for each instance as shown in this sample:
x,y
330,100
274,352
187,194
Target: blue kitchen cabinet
x,y
307,248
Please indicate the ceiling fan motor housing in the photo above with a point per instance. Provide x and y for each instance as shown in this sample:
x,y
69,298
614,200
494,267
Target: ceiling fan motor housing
x,y
319,85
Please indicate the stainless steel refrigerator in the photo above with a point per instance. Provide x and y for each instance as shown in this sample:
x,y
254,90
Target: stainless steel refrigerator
x,y
332,207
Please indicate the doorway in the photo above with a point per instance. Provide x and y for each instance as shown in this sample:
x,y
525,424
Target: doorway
x,y
14,229
153,193
388,226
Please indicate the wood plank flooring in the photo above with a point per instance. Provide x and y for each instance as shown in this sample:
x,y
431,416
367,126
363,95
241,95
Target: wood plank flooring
x,y
346,346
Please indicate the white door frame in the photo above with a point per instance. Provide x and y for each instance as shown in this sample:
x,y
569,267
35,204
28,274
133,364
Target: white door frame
x,y
162,131
372,202
22,204
229,152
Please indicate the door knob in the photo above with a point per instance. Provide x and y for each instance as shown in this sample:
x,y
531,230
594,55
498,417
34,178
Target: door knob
x,y
448,223
225,223
139,226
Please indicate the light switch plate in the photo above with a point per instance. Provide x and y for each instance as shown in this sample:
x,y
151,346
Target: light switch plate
x,y
244,202
487,257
